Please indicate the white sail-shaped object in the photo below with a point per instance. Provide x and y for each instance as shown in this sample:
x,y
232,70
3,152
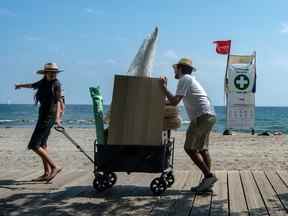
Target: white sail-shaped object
x,y
143,61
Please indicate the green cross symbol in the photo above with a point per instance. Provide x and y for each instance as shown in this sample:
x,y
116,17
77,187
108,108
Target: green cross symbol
x,y
241,82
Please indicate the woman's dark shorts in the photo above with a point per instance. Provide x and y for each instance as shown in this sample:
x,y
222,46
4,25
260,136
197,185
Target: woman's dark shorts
x,y
41,132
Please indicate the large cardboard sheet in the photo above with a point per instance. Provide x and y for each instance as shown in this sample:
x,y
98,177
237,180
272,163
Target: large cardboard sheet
x,y
137,111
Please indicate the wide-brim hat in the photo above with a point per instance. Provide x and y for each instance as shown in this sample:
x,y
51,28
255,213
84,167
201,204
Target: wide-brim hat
x,y
49,67
185,61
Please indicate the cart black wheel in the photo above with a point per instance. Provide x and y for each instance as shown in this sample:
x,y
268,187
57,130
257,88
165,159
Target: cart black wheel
x,y
170,179
158,186
99,183
110,179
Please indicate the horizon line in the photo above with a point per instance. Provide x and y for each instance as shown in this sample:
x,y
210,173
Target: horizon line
x,y
109,105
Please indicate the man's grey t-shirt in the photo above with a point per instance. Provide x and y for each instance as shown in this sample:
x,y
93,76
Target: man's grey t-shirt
x,y
195,98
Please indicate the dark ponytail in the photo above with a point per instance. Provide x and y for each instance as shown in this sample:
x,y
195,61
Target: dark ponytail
x,y
37,96
40,93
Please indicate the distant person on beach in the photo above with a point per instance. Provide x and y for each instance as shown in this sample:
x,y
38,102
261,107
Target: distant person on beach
x,y
50,112
202,117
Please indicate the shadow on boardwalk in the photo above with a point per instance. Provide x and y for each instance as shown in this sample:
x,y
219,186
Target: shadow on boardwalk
x,y
84,200
119,200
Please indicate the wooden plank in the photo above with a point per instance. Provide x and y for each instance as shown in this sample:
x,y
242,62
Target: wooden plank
x,y
279,187
137,111
184,202
237,200
269,196
29,201
16,174
14,183
219,203
284,176
254,200
201,204
23,186
168,200
17,181
134,198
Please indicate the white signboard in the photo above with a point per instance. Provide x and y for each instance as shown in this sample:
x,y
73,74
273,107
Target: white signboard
x,y
241,96
241,78
241,110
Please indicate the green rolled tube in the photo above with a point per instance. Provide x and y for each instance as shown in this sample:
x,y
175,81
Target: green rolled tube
x,y
97,100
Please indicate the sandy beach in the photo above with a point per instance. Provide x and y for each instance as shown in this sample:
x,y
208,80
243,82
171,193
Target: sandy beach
x,y
236,152
71,192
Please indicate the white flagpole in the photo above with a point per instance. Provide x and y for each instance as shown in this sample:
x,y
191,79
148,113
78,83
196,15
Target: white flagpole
x,y
225,86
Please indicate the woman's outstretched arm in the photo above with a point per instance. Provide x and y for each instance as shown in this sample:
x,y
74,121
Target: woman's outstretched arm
x,y
28,85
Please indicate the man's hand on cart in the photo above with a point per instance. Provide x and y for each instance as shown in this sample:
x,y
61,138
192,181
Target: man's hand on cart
x,y
164,81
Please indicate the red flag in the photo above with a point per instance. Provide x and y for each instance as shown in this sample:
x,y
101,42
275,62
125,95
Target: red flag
x,y
223,47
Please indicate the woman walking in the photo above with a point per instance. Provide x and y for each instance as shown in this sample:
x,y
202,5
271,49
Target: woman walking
x,y
48,94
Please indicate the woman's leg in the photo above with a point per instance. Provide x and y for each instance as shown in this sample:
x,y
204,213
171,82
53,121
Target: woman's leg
x,y
35,139
47,168
44,155
46,165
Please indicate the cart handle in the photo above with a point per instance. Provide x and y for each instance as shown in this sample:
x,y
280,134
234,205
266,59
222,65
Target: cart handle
x,y
60,129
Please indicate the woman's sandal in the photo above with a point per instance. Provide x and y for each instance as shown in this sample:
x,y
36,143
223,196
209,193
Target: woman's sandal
x,y
40,178
53,174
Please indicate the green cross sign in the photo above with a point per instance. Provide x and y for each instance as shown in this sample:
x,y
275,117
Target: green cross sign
x,y
241,82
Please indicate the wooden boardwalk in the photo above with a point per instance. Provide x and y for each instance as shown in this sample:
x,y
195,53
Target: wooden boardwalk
x,y
236,193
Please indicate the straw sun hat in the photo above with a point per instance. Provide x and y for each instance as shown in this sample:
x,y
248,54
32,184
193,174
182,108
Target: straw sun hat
x,y
49,67
185,61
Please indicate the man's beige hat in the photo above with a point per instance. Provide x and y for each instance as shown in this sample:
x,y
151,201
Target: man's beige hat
x,y
49,67
185,61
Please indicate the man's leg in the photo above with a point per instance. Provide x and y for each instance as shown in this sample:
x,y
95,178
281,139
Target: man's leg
x,y
199,162
192,143
206,158
209,179
204,126
195,145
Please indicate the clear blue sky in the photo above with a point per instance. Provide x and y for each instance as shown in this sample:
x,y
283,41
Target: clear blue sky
x,y
93,40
